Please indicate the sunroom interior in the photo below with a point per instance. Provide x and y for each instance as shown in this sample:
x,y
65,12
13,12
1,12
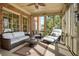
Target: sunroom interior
x,y
31,23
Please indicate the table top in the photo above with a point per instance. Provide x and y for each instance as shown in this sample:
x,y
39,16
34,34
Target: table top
x,y
37,35
33,40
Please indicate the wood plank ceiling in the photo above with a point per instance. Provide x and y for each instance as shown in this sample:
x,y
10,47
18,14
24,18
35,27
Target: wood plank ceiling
x,y
48,9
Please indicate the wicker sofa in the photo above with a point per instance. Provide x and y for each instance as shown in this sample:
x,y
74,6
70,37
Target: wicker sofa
x,y
13,39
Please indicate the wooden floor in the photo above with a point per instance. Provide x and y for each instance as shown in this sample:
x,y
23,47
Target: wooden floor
x,y
41,49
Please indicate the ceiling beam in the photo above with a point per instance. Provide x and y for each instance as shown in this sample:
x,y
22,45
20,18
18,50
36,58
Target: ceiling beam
x,y
47,14
20,8
65,8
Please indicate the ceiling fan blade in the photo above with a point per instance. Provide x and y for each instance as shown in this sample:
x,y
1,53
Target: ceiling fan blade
x,y
31,4
41,4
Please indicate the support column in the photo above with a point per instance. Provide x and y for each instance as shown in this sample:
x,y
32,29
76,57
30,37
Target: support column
x,y
44,23
31,25
38,24
53,21
1,19
20,23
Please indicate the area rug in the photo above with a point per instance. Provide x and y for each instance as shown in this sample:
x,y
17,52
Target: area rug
x,y
26,51
23,51
37,50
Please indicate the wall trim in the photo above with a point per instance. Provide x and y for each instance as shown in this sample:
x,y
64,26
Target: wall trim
x,y
4,8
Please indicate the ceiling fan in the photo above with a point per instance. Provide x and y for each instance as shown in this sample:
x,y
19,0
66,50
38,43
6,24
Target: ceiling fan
x,y
36,5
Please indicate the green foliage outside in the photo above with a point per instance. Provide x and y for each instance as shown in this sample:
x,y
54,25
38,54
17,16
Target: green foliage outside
x,y
52,21
57,21
49,24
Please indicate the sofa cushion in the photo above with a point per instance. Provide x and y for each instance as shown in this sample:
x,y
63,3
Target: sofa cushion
x,y
8,35
25,37
18,34
7,30
49,39
55,34
15,40
57,31
52,37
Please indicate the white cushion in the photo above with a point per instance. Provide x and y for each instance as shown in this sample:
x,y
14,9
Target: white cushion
x,y
49,39
57,30
8,35
37,35
24,37
18,34
15,40
55,34
7,30
52,37
15,37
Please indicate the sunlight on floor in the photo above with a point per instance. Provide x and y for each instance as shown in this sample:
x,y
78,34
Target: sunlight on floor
x,y
48,53
52,47
41,49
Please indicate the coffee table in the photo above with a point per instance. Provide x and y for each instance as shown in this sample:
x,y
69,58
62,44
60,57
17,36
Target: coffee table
x,y
38,37
32,42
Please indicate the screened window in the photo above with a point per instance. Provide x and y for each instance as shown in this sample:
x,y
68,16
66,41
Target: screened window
x,y
41,23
